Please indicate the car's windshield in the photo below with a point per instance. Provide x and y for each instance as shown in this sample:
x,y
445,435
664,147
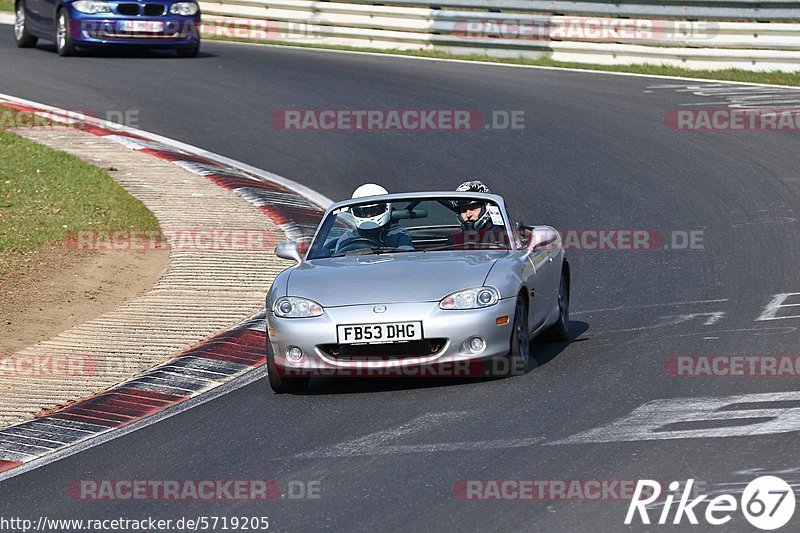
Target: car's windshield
x,y
430,224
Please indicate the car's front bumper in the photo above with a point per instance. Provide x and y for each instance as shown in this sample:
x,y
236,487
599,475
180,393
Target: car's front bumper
x,y
105,29
449,330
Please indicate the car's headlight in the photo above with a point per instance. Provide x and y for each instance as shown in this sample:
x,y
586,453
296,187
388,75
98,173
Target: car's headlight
x,y
293,307
91,7
186,9
471,298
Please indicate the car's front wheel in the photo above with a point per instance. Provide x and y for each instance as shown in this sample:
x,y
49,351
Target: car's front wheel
x,y
22,37
519,353
559,331
64,44
283,384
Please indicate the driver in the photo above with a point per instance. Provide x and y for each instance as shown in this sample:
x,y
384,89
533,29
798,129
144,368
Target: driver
x,y
373,224
473,215
476,221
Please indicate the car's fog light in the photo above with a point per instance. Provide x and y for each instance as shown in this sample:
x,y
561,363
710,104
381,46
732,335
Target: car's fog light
x,y
476,344
294,354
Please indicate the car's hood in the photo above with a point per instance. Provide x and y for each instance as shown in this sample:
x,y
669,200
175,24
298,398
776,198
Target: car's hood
x,y
390,278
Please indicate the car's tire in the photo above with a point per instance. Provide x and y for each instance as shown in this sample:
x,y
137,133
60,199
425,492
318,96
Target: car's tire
x,y
64,45
22,37
519,354
559,332
283,384
188,52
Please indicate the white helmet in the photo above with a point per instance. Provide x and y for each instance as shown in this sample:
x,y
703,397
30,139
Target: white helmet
x,y
371,216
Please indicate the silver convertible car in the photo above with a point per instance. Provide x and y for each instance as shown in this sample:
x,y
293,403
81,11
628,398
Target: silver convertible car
x,y
399,281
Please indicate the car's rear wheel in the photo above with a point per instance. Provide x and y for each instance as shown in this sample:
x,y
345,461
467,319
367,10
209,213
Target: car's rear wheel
x,y
22,38
64,44
283,384
559,331
188,52
519,353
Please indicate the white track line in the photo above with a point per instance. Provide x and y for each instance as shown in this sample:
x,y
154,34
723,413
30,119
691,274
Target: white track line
x,y
667,304
510,65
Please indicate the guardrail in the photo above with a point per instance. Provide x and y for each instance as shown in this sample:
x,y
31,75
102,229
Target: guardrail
x,y
702,37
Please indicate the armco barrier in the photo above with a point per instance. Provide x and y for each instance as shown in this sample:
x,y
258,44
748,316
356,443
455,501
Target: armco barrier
x,y
692,34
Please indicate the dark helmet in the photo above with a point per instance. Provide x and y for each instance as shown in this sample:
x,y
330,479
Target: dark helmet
x,y
484,220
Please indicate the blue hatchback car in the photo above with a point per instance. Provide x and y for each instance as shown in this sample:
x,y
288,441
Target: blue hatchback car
x,y
76,24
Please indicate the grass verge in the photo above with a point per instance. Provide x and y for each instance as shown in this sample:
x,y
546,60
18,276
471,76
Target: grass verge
x,y
7,5
774,77
45,194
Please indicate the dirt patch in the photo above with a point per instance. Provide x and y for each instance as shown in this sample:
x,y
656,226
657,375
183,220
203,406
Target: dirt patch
x,y
53,289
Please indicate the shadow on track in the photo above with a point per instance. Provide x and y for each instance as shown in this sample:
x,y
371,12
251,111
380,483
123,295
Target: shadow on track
x,y
122,52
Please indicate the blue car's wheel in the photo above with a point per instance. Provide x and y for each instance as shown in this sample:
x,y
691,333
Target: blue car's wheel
x,y
64,44
22,38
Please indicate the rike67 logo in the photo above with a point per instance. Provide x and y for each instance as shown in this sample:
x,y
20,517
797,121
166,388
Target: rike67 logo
x,y
767,503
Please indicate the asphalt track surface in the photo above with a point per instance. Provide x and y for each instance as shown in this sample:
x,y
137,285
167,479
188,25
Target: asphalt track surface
x,y
594,153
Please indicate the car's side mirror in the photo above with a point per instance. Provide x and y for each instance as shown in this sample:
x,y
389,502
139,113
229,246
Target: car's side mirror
x,y
542,237
288,250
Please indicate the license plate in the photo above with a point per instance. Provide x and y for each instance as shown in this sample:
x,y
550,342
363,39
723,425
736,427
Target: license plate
x,y
143,26
389,332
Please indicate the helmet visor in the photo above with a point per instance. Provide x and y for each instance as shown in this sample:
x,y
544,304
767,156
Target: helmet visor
x,y
368,211
468,205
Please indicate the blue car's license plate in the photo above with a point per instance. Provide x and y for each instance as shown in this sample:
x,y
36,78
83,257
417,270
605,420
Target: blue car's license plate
x,y
143,26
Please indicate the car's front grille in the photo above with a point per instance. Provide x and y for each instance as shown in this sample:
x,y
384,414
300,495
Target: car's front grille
x,y
128,9
384,351
154,10
137,36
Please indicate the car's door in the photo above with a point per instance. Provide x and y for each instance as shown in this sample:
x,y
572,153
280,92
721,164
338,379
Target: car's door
x,y
544,247
530,264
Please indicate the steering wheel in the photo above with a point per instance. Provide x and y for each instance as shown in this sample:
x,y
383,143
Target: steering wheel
x,y
354,243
